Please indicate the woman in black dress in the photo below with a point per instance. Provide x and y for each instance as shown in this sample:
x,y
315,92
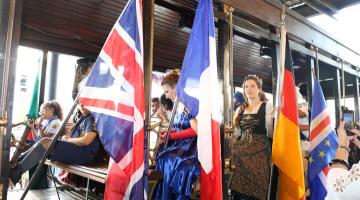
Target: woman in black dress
x,y
252,151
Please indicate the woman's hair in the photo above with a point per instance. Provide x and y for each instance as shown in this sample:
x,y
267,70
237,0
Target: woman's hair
x,y
171,79
262,96
166,103
56,107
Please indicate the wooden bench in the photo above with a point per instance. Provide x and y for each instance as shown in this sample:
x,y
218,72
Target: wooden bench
x,y
98,172
94,171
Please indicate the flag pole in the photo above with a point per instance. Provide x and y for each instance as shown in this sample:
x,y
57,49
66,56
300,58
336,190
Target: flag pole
x,y
51,146
173,112
273,184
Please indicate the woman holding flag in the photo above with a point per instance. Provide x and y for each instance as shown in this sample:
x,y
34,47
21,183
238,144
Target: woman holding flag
x,y
178,162
253,149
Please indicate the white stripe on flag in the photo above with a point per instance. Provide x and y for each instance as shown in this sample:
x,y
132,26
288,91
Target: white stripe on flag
x,y
110,113
135,177
323,179
208,109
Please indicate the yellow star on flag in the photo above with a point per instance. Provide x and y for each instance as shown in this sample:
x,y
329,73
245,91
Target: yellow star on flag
x,y
327,143
321,154
311,160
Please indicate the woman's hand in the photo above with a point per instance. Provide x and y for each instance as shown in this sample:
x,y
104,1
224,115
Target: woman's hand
x,y
354,138
273,112
65,137
342,136
161,114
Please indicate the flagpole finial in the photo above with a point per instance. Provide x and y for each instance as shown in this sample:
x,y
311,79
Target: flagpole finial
x,y
228,9
283,14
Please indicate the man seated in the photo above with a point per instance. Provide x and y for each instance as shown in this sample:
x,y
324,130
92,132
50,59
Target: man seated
x,y
155,105
80,147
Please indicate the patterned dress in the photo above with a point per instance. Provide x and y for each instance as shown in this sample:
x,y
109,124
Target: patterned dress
x,y
252,158
178,164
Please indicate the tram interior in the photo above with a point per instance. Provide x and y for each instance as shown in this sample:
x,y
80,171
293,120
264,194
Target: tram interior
x,y
65,31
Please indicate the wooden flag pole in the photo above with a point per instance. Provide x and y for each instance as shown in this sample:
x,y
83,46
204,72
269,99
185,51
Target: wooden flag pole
x,y
273,184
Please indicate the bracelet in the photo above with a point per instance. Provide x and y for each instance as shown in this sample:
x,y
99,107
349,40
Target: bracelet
x,y
340,161
345,147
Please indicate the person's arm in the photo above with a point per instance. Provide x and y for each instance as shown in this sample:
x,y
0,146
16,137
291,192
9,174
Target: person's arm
x,y
162,115
51,129
84,140
88,133
184,134
236,118
303,110
269,122
342,153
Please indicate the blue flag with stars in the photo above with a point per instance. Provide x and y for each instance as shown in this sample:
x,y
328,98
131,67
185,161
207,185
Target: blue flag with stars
x,y
323,144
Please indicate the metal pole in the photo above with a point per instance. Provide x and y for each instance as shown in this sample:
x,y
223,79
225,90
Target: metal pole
x,y
173,112
356,97
53,75
337,93
311,70
317,67
43,77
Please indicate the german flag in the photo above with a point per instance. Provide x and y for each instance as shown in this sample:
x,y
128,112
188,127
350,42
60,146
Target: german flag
x,y
286,153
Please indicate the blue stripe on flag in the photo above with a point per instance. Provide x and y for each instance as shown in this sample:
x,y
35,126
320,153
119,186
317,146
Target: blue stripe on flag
x,y
137,191
318,162
128,21
116,134
318,190
100,76
318,101
196,58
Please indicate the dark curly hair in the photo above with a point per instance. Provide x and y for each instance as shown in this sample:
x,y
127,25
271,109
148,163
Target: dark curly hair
x,y
56,107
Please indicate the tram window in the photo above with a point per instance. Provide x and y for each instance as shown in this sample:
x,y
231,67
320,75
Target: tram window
x,y
66,71
331,107
28,64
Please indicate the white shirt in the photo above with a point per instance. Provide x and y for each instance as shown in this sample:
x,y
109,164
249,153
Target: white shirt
x,y
52,126
343,184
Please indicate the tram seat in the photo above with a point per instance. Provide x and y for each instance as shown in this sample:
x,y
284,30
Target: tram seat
x,y
94,171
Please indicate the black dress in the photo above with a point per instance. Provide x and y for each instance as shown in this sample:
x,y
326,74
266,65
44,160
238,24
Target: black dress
x,y
252,157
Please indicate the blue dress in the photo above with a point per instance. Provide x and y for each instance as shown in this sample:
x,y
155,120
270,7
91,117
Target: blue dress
x,y
178,163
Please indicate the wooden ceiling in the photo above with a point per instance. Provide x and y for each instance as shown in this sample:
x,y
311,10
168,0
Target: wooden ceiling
x,y
80,27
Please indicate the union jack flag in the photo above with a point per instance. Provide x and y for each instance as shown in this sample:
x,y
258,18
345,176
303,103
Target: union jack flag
x,y
323,144
114,93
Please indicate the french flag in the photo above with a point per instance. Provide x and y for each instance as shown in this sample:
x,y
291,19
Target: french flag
x,y
114,93
198,89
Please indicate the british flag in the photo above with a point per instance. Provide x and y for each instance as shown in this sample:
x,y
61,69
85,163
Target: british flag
x,y
114,93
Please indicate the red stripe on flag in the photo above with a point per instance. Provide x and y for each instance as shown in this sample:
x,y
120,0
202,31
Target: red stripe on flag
x,y
317,130
289,108
118,180
123,56
106,104
211,183
326,170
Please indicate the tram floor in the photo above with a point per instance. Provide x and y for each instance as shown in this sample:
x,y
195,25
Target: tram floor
x,y
50,194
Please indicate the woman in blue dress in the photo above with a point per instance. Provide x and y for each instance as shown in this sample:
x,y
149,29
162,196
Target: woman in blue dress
x,y
178,162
